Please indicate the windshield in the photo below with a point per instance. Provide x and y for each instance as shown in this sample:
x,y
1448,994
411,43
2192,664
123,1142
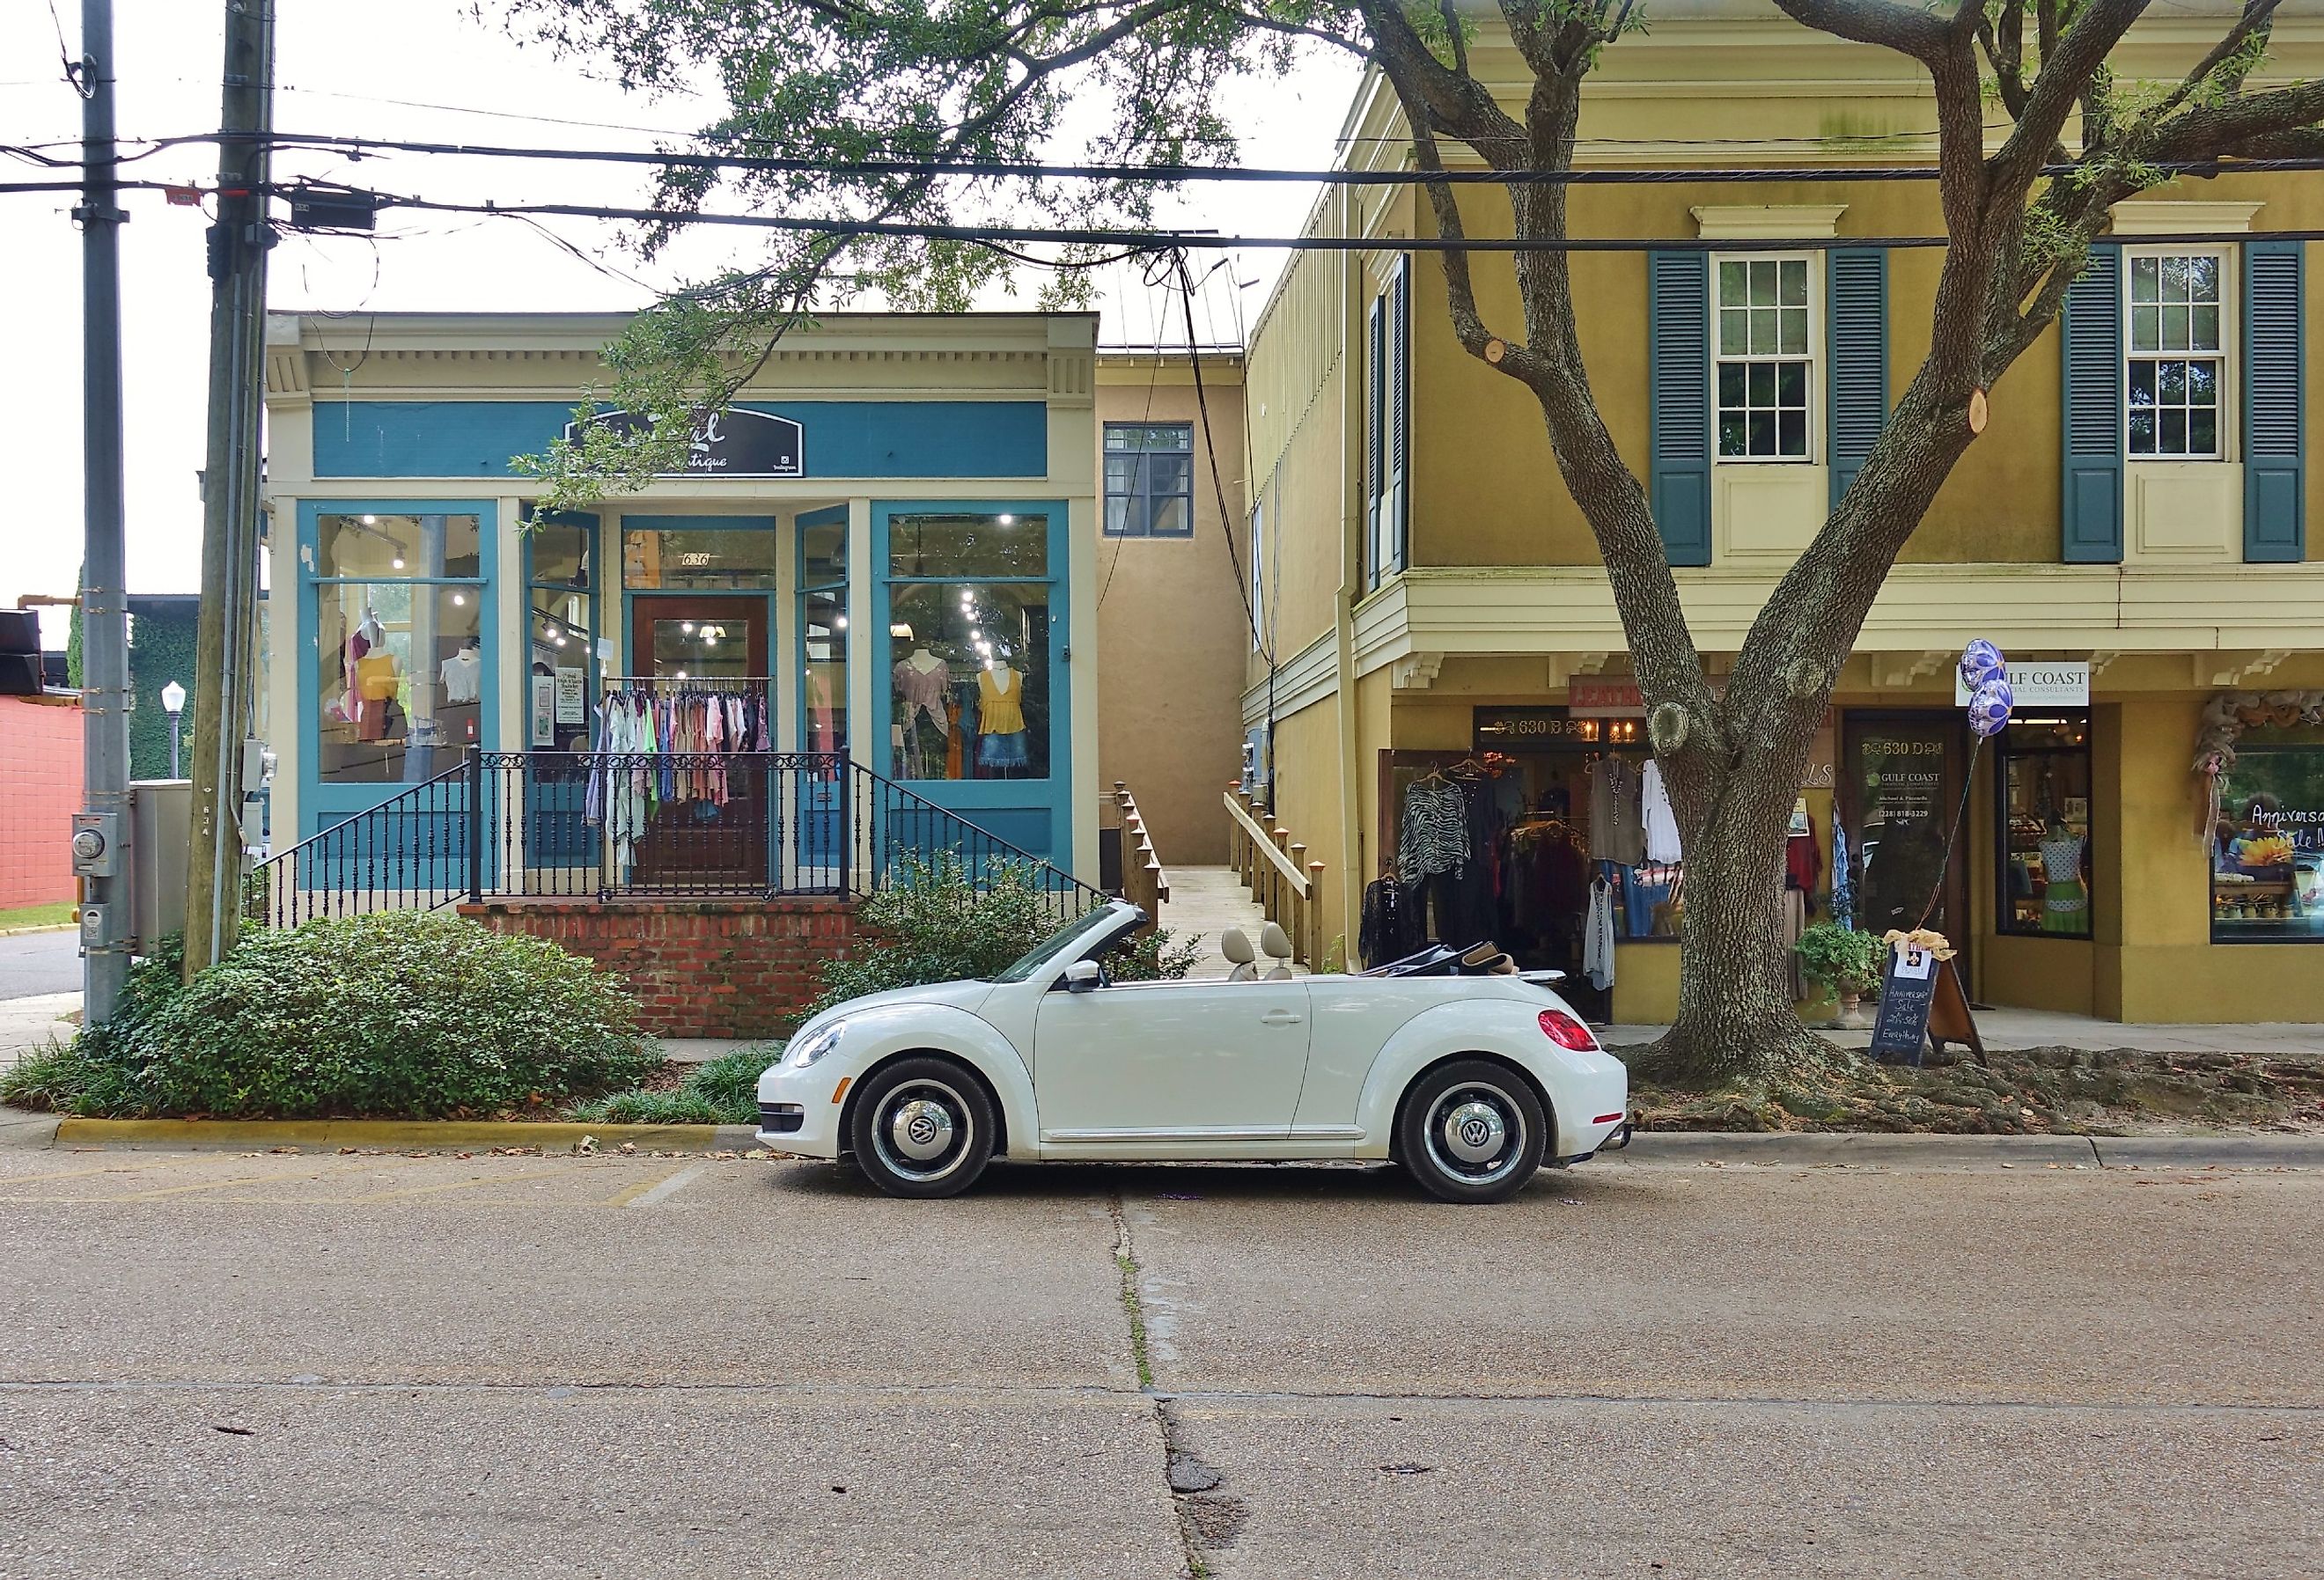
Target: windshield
x,y
1056,946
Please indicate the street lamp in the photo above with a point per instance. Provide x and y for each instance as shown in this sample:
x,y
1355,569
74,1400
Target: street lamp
x,y
173,703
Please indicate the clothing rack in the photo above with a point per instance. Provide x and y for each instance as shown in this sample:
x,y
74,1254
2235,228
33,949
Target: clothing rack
x,y
679,684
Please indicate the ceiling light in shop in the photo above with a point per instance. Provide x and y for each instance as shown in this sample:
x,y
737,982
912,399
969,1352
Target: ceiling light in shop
x,y
371,520
397,562
459,600
840,623
681,674
1008,520
687,626
900,629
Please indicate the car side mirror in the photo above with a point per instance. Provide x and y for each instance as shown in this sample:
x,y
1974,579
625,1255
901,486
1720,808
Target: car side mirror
x,y
1082,976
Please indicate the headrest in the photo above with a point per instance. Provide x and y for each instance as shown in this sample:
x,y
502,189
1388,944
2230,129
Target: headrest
x,y
1236,946
1275,941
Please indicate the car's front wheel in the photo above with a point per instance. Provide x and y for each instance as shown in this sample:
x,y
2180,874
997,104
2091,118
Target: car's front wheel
x,y
921,1127
1471,1130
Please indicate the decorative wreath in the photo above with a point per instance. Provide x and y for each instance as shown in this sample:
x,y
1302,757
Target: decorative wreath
x,y
2225,719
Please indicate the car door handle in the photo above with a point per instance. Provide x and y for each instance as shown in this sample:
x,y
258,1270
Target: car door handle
x,y
1279,1018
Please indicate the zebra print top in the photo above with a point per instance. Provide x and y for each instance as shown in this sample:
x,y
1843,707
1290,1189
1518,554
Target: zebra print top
x,y
1435,835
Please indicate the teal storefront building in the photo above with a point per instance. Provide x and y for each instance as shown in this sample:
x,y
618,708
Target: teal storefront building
x,y
889,543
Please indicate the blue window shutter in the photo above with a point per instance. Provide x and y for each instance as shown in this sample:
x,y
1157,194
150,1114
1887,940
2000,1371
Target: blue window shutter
x,y
1397,503
1678,374
1375,438
1858,316
2091,356
2275,494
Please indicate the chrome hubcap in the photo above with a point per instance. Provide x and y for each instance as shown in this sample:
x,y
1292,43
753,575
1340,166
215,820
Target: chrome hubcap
x,y
921,1129
922,1133
1476,1133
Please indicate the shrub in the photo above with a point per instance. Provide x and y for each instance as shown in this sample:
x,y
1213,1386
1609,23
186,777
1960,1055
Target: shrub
x,y
936,922
407,1015
724,1091
1840,958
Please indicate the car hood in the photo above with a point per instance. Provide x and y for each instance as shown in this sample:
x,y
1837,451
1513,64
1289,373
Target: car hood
x,y
958,995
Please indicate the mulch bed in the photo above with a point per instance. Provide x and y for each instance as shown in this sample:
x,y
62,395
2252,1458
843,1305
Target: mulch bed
x,y
2034,1092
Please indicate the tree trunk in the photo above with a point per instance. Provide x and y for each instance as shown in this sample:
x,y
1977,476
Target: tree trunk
x,y
1736,1017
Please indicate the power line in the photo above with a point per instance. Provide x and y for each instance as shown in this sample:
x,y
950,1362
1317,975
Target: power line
x,y
355,147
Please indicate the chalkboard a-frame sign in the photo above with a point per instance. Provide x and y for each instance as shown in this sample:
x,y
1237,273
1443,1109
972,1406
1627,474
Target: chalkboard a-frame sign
x,y
1908,990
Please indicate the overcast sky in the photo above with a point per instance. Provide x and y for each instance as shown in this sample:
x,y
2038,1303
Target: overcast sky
x,y
433,73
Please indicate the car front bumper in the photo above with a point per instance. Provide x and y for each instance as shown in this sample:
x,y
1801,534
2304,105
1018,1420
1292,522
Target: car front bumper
x,y
799,1110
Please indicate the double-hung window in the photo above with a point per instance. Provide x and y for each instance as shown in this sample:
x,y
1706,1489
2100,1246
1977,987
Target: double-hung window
x,y
1765,356
1150,480
2175,383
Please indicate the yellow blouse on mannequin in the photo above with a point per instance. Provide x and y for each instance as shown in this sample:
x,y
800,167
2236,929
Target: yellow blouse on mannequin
x,y
1000,702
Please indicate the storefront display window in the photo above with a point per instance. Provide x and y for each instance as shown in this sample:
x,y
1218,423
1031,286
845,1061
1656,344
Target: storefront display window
x,y
2267,848
1004,544
969,665
692,559
376,546
402,678
2043,776
561,609
822,634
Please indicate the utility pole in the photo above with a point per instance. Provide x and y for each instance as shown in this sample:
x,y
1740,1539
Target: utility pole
x,y
224,638
100,843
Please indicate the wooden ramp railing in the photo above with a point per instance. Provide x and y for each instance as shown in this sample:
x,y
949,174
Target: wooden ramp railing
x,y
1144,883
1275,868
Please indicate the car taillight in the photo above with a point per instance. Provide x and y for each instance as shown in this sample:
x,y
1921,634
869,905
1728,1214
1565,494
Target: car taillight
x,y
1566,1031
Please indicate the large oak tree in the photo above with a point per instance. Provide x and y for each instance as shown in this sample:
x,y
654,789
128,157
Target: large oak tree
x,y
870,118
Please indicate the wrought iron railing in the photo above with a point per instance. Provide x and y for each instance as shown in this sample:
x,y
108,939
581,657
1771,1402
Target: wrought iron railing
x,y
544,825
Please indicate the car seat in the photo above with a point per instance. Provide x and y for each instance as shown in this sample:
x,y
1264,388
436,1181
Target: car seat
x,y
1235,944
1276,945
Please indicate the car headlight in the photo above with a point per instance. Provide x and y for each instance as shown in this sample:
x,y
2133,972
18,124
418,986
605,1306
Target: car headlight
x,y
808,1050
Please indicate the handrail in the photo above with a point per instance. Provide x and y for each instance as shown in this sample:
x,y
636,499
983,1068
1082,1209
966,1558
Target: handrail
x,y
1144,883
271,894
1264,843
561,825
1288,887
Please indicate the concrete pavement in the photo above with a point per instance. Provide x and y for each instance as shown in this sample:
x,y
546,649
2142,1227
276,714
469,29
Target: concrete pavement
x,y
351,1365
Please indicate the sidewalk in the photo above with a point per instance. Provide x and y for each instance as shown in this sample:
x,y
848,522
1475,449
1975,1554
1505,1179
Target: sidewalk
x,y
2014,1030
28,1024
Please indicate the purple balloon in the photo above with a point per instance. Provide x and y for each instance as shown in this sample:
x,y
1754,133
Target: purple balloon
x,y
1981,661
1988,711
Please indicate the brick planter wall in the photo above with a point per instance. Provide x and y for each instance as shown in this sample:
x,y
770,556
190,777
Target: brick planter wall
x,y
698,967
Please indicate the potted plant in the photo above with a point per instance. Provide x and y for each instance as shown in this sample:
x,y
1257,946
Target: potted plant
x,y
1840,961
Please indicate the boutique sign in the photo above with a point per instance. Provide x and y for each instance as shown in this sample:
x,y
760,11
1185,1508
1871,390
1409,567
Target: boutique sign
x,y
734,443
2041,683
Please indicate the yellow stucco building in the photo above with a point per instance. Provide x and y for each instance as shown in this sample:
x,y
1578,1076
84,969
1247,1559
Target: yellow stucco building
x,y
2134,531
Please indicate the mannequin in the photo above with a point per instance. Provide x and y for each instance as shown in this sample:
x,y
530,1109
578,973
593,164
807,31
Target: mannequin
x,y
376,681
2065,896
921,680
1000,719
462,674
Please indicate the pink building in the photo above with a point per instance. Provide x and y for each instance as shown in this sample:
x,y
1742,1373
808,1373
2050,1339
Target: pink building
x,y
39,789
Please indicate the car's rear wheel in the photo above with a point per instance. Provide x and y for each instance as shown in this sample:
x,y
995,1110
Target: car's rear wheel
x,y
1471,1130
921,1127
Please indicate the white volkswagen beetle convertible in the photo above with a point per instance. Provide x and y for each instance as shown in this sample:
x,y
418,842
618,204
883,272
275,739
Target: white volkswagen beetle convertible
x,y
1471,1082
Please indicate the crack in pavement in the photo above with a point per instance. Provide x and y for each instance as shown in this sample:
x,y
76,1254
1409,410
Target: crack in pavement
x,y
1207,1518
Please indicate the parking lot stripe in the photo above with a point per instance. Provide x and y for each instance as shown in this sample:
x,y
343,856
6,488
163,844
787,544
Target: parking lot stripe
x,y
189,1189
647,1194
411,1190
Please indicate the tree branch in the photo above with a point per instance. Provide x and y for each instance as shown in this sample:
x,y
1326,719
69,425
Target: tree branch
x,y
1908,30
2256,22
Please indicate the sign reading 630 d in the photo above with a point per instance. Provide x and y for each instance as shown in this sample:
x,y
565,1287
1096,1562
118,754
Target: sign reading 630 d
x,y
734,443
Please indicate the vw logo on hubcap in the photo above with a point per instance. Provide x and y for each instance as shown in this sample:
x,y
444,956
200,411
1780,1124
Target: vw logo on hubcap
x,y
1474,1132
921,1129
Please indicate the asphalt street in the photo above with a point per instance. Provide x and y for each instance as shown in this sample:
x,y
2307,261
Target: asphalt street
x,y
39,963
227,1365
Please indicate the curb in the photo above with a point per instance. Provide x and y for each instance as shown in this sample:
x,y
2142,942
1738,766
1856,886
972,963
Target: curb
x,y
53,926
394,1135
1868,1149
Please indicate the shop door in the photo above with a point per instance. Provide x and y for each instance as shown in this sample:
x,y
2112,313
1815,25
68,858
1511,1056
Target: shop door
x,y
690,648
1899,797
